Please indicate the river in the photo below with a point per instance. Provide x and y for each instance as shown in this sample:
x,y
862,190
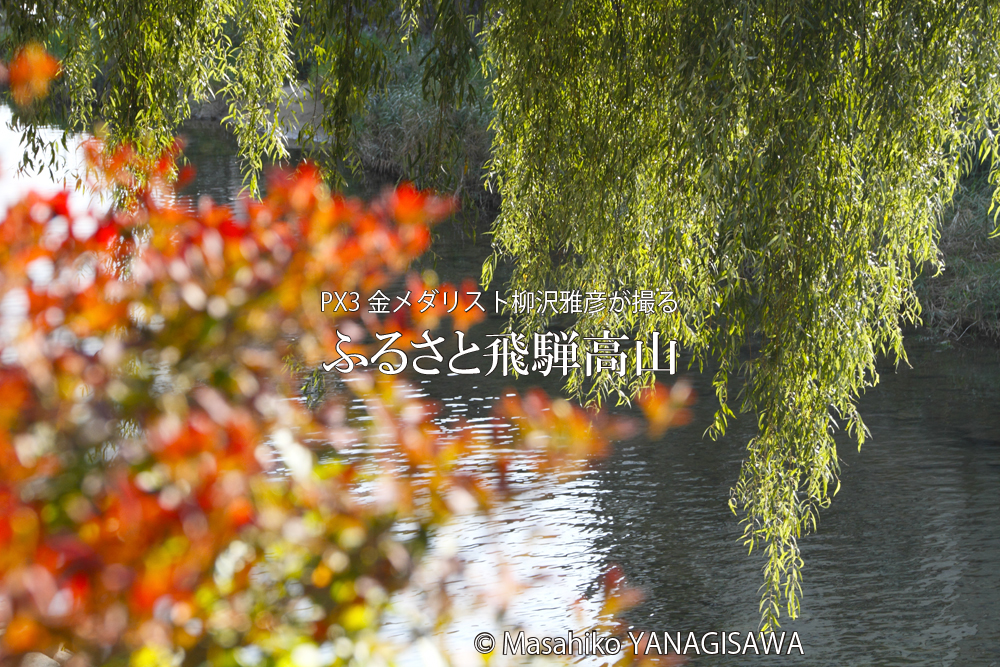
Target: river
x,y
905,566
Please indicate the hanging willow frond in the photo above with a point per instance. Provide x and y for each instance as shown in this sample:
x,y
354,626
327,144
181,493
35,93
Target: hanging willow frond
x,y
780,166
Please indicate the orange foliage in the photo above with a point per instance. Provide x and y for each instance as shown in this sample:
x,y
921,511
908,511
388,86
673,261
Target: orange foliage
x,y
30,73
148,401
666,406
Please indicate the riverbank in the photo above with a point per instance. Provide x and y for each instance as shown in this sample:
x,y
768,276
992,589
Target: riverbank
x,y
402,136
963,302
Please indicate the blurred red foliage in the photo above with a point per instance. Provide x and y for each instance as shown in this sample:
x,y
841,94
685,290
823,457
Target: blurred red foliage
x,y
167,491
31,71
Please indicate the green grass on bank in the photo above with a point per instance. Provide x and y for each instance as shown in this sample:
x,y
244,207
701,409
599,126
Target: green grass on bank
x,y
964,300
402,135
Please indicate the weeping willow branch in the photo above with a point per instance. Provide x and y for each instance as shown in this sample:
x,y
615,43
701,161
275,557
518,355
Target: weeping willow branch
x,y
780,167
139,65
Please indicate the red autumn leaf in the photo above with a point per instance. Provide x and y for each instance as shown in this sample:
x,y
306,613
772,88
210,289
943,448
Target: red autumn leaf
x,y
151,391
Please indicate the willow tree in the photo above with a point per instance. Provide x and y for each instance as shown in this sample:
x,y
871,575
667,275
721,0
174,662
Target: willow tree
x,y
139,65
779,166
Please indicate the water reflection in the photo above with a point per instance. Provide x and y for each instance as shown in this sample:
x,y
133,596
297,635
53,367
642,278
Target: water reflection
x,y
212,150
906,563
65,167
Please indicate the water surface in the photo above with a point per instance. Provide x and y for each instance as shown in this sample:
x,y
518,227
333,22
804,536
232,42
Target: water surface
x,y
905,567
